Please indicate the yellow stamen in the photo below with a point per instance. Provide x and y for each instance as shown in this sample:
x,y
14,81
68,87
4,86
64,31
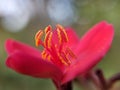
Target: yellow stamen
x,y
69,52
44,54
62,30
37,41
38,34
38,37
48,28
60,52
59,36
62,60
48,39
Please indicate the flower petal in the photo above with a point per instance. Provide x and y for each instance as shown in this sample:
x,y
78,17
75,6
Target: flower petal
x,y
11,46
100,32
28,64
92,48
72,36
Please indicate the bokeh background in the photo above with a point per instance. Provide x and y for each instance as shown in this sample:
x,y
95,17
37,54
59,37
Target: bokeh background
x,y
21,19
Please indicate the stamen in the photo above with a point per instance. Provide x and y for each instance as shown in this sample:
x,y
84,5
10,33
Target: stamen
x,y
38,37
48,57
47,40
69,52
65,57
44,54
57,51
62,33
59,36
62,60
48,28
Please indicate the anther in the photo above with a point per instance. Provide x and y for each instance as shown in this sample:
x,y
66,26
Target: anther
x,y
48,28
59,36
38,37
62,35
48,38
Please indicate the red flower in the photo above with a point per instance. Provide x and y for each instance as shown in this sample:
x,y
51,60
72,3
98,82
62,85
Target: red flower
x,y
64,55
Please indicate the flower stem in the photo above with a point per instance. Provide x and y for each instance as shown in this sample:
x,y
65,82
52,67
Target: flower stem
x,y
102,79
98,79
66,86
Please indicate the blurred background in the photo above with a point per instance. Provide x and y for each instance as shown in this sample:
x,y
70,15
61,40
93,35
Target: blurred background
x,y
21,19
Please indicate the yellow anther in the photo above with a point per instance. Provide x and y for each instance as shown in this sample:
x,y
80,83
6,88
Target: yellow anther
x,y
38,37
62,33
38,34
48,28
37,42
48,38
59,36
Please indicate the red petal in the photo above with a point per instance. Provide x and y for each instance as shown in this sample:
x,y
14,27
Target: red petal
x,y
93,46
31,65
12,46
98,37
72,36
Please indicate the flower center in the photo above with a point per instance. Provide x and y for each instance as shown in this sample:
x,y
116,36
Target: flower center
x,y
54,43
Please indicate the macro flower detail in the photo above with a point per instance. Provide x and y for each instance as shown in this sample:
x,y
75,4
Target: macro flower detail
x,y
63,56
56,52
